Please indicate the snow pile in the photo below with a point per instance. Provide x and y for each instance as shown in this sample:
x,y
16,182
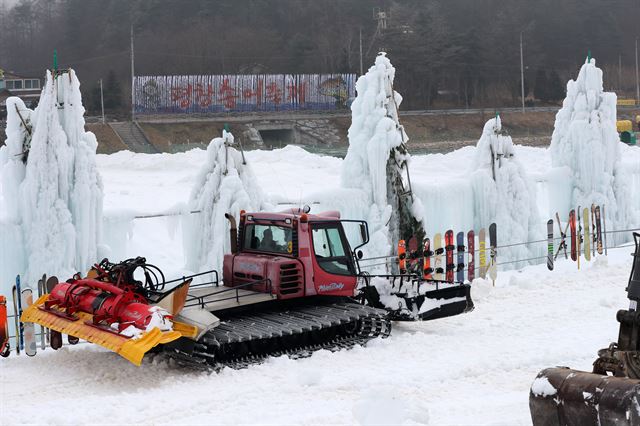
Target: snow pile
x,y
52,206
503,192
226,184
542,387
585,142
376,156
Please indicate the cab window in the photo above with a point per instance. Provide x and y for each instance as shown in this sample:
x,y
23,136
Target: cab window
x,y
330,249
268,238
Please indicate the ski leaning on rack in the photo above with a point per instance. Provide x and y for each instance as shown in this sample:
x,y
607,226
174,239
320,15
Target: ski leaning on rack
x,y
16,317
563,238
427,270
5,348
587,234
449,247
55,337
42,290
598,230
572,226
604,230
460,258
29,328
471,264
482,244
493,243
19,297
579,235
550,244
593,231
439,251
402,257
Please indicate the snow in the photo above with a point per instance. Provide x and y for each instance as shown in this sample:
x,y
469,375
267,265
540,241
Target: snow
x,y
586,143
542,387
225,184
50,209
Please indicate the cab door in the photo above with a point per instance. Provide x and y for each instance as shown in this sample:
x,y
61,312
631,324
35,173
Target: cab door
x,y
334,271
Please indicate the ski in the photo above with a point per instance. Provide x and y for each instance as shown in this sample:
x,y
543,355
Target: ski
x,y
482,244
550,244
604,230
598,230
563,238
572,225
5,348
16,317
55,337
593,230
460,257
439,251
579,235
449,247
412,256
471,246
493,244
29,328
587,233
19,297
427,270
42,290
402,257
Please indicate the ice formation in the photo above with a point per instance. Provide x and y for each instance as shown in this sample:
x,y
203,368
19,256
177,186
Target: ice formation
x,y
51,205
376,158
585,142
503,192
226,184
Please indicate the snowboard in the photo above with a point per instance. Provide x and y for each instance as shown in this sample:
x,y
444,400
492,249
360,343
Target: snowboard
x,y
550,244
55,337
460,258
572,226
5,348
587,233
493,244
471,247
598,230
412,256
29,329
16,317
449,247
427,270
482,244
439,251
402,257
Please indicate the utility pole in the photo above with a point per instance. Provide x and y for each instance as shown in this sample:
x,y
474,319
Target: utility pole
x,y
637,79
361,70
102,100
521,73
133,93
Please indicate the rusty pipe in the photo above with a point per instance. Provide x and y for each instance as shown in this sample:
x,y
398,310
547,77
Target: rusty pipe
x,y
233,232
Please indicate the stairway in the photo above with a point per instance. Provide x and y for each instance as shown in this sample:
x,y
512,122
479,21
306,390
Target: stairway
x,y
132,136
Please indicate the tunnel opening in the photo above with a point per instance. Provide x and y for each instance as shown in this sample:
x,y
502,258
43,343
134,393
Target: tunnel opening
x,y
277,138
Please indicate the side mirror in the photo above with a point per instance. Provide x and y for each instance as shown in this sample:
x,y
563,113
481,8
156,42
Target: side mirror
x,y
363,232
359,254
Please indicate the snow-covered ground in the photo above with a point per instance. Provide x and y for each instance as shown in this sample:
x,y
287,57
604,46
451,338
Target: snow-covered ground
x,y
470,369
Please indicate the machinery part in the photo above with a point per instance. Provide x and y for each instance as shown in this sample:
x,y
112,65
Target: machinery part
x,y
610,395
561,396
296,328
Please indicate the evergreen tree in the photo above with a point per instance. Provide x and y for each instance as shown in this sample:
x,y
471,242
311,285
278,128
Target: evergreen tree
x,y
556,90
541,89
112,93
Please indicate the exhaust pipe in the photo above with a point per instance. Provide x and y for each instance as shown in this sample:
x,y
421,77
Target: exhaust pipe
x,y
233,232
564,397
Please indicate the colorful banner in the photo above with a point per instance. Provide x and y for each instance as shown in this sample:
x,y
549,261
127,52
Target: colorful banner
x,y
236,93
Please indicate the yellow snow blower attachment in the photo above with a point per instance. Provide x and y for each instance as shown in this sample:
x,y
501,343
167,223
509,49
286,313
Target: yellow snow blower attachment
x,y
106,309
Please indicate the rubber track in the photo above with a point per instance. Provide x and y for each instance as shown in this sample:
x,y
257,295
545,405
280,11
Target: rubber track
x,y
331,327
